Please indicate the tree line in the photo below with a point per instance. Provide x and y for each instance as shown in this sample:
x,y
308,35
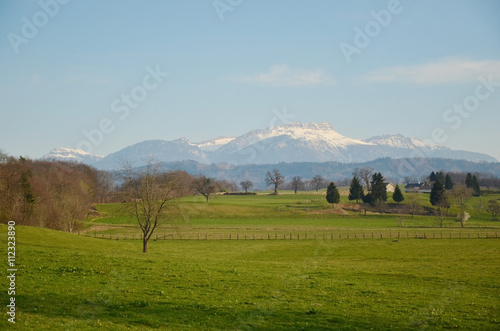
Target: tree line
x,y
59,195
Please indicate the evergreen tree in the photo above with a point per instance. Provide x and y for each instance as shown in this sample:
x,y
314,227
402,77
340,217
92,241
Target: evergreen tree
x,y
332,194
398,195
448,183
356,190
475,186
438,196
440,176
433,177
468,180
379,188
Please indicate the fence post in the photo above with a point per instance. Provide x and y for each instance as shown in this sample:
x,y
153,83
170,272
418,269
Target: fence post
x,y
381,235
372,235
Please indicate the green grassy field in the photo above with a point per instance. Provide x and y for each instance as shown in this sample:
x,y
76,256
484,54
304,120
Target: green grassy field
x,y
300,214
70,282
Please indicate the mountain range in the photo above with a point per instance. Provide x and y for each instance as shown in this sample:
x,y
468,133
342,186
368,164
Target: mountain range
x,y
295,142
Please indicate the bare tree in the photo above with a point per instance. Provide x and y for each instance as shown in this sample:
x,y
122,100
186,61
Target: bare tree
x,y
151,192
275,178
104,184
493,208
296,183
205,186
365,174
317,182
413,206
246,185
462,194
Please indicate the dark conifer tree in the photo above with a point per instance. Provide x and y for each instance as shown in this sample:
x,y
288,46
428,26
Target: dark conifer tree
x,y
398,195
433,177
475,186
332,194
379,188
448,183
356,190
437,197
468,180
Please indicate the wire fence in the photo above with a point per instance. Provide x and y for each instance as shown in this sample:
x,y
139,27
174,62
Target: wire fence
x,y
296,236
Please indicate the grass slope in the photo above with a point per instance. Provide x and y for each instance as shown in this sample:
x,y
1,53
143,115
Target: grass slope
x,y
67,282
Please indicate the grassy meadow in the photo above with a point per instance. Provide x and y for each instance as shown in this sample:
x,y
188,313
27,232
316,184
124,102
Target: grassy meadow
x,y
70,282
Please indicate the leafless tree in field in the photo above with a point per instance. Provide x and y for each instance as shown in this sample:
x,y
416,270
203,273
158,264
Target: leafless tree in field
x,y
205,186
151,192
296,183
365,174
275,178
317,182
246,185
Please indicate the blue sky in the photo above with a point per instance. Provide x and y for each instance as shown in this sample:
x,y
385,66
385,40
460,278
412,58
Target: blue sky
x,y
128,71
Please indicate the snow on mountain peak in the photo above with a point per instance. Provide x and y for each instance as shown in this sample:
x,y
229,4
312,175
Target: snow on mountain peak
x,y
68,154
400,141
214,144
309,132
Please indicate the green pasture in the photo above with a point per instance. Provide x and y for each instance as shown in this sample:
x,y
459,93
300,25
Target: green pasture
x,y
265,214
71,282
335,280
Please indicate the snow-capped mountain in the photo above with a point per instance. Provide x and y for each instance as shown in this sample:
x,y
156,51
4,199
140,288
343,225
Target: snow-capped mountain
x,y
296,142
314,142
73,155
400,141
163,151
214,144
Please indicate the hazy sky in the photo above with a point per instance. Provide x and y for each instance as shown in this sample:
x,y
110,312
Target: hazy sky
x,y
102,75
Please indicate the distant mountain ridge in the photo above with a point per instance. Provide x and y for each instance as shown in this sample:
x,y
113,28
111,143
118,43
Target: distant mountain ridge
x,y
295,142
